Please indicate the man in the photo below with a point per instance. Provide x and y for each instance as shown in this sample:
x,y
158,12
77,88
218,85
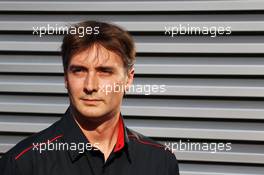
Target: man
x,y
98,69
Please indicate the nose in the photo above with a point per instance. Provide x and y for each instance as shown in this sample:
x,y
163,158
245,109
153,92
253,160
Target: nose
x,y
91,83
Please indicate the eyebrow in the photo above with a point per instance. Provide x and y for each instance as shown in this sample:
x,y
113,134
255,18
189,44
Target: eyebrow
x,y
76,66
108,68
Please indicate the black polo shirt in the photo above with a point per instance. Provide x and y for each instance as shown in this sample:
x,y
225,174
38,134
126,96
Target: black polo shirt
x,y
62,148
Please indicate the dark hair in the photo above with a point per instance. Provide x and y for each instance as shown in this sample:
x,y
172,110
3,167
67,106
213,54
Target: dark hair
x,y
110,36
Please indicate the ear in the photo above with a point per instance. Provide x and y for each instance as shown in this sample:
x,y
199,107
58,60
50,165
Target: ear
x,y
130,78
65,81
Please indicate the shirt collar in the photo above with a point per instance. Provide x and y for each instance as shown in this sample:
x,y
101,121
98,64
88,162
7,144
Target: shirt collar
x,y
72,134
121,136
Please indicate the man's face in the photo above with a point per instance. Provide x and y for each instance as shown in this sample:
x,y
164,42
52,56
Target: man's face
x,y
94,79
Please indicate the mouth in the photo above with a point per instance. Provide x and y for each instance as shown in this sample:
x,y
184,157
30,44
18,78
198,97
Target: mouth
x,y
92,102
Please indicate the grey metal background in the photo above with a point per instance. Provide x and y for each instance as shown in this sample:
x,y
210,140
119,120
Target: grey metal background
x,y
215,85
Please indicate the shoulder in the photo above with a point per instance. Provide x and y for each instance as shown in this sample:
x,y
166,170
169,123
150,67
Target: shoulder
x,y
155,153
23,151
147,144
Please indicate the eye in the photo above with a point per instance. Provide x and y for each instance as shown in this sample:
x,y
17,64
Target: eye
x,y
106,71
77,69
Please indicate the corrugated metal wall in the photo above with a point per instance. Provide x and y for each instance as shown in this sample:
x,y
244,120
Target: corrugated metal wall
x,y
215,85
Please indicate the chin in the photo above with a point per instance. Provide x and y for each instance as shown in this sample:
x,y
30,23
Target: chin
x,y
92,112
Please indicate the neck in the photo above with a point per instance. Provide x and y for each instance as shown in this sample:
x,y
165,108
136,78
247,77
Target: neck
x,y
101,131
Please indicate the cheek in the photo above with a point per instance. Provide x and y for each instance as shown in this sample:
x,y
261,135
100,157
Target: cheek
x,y
75,84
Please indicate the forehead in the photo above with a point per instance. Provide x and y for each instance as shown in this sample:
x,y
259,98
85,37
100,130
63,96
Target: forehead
x,y
96,55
